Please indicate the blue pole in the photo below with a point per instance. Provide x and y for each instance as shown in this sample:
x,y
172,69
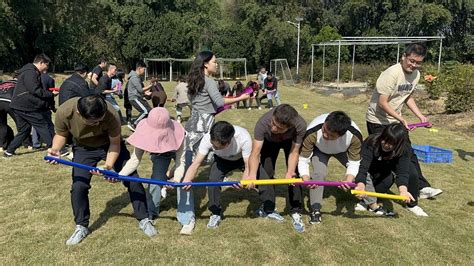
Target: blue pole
x,y
116,176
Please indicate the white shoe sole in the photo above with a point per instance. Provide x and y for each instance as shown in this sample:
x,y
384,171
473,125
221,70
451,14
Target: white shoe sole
x,y
425,196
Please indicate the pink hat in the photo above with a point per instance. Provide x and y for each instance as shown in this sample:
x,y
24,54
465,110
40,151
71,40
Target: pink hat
x,y
157,133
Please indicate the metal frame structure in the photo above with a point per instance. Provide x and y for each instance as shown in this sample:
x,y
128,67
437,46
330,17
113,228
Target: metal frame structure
x,y
221,60
373,40
274,66
170,61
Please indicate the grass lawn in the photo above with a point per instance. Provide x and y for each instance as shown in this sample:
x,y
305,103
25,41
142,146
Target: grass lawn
x,y
37,218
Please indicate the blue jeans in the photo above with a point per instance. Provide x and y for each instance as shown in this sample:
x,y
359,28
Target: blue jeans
x,y
35,138
185,206
185,211
277,98
111,99
185,199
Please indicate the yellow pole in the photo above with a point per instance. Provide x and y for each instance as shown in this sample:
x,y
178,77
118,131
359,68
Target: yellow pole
x,y
379,195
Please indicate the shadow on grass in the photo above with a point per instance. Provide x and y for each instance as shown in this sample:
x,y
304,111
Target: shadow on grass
x,y
465,155
112,208
42,150
346,201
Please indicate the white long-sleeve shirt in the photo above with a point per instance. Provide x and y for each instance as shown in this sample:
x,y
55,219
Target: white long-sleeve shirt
x,y
350,143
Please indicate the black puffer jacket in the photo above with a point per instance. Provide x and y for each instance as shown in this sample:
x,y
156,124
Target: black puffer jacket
x,y
29,94
74,86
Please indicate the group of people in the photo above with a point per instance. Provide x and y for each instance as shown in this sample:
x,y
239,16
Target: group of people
x,y
266,87
27,98
92,125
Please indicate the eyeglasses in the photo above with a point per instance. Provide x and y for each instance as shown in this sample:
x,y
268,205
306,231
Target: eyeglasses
x,y
413,62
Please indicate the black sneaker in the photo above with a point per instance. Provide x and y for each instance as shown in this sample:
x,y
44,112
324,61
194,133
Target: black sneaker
x,y
382,211
7,154
315,217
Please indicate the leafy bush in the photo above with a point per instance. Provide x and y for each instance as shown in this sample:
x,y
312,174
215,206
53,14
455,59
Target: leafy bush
x,y
460,86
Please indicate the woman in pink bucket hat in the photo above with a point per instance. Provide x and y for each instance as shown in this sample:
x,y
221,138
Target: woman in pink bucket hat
x,y
163,139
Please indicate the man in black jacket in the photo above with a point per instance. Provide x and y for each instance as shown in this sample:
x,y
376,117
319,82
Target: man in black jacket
x,y
75,85
31,104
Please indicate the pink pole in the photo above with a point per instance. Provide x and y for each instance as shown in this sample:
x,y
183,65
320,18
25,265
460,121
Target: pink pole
x,y
325,183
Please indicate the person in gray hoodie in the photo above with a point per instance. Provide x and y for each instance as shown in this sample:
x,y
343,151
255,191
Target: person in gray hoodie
x,y
136,93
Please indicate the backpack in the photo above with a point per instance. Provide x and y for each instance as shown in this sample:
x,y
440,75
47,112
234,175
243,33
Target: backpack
x,y
6,89
158,95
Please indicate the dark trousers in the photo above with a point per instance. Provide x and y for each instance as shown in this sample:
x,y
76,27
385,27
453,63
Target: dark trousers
x,y
81,180
219,169
266,170
422,182
142,107
42,122
6,132
383,179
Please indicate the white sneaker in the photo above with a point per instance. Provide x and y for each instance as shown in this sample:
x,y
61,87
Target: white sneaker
x,y
250,108
417,210
429,192
360,207
214,221
188,228
275,216
147,227
164,193
259,108
297,222
79,234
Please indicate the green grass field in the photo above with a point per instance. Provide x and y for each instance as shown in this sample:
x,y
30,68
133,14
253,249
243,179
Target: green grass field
x,y
37,218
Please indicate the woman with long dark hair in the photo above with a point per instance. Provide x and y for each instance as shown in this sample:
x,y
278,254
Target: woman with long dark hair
x,y
205,98
386,160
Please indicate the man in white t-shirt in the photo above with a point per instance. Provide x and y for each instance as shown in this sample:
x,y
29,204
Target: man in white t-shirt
x,y
394,89
232,146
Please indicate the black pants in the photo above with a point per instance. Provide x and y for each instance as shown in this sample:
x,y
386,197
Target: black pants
x,y
219,169
6,132
142,107
266,170
81,180
383,179
422,182
42,122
